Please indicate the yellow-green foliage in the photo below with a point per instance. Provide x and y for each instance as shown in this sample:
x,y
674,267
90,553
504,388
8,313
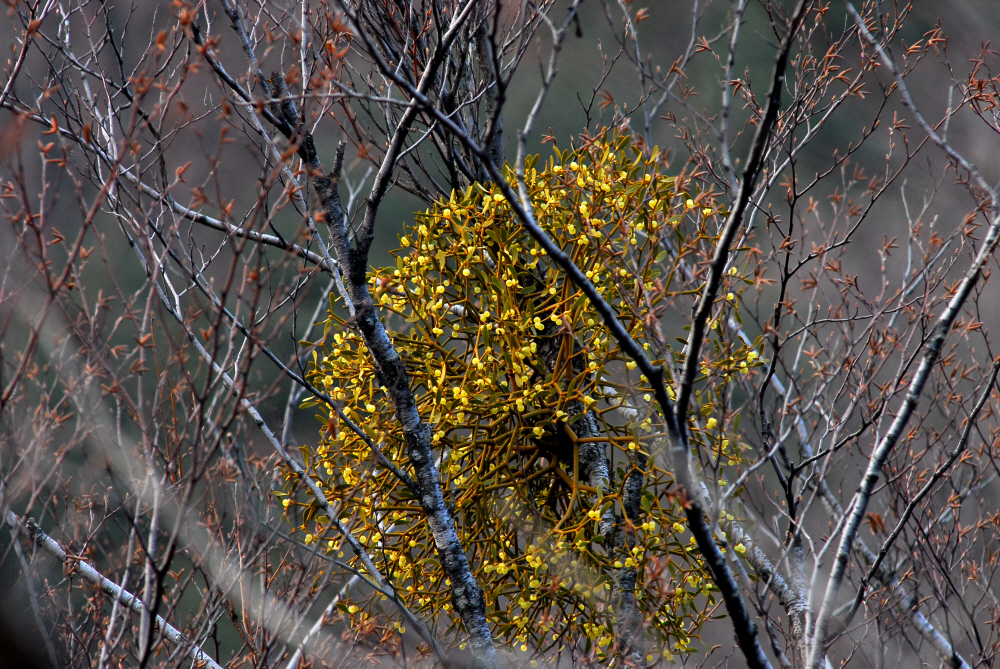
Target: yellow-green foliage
x,y
469,298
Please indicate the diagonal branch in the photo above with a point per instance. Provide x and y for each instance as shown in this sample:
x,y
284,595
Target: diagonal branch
x,y
29,530
788,596
332,513
467,596
722,574
937,476
933,349
631,620
754,165
199,282
317,259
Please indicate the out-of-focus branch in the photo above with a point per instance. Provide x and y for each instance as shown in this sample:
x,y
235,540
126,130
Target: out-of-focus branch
x,y
293,661
28,529
738,8
317,492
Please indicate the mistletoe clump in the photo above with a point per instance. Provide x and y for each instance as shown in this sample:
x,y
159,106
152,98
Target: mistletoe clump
x,y
510,365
